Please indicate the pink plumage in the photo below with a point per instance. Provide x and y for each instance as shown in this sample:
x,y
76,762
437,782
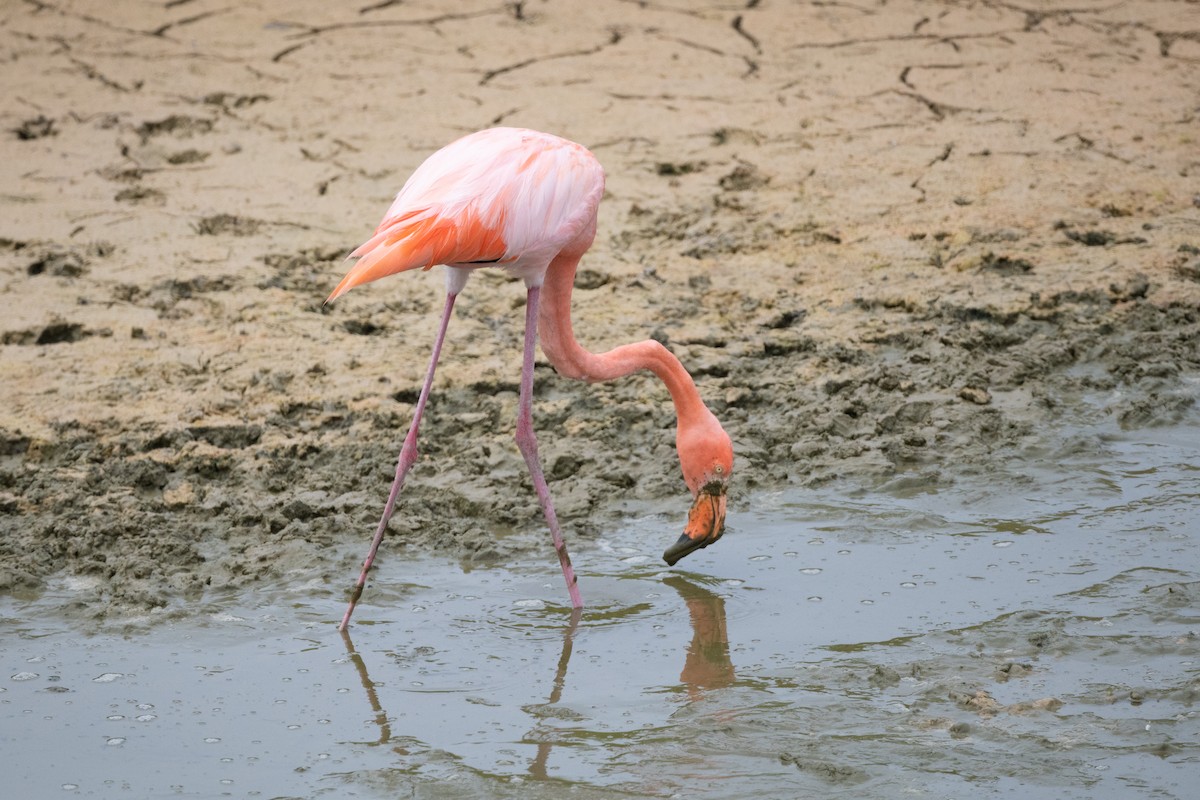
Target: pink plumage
x,y
502,196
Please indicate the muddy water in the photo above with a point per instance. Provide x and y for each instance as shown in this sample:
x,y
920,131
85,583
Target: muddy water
x,y
1028,633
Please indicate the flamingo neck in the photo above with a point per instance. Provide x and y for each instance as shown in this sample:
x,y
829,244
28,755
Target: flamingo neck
x,y
571,360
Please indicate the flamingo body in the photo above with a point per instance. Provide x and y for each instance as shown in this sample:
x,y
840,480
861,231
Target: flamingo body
x,y
526,202
502,197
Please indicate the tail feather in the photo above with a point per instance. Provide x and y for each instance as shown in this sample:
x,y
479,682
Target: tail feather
x,y
419,240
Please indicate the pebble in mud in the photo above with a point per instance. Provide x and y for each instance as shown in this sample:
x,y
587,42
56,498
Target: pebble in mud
x,y
979,701
827,771
1030,706
976,395
884,677
1013,670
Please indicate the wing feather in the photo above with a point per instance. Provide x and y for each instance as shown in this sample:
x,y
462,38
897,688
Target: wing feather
x,y
499,195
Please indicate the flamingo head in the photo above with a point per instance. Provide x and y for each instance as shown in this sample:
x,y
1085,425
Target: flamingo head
x,y
706,455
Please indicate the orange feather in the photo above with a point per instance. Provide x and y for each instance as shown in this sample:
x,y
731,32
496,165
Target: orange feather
x,y
420,239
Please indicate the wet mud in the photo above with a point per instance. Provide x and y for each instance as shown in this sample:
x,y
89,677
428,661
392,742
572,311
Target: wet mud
x,y
893,243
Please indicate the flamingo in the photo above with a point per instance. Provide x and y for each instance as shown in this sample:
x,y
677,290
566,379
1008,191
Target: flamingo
x,y
525,202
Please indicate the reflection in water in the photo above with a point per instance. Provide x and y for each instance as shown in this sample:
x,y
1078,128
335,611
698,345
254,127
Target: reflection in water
x,y
381,717
707,665
538,767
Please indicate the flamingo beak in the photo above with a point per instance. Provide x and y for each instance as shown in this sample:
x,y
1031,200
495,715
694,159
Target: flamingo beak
x,y
706,523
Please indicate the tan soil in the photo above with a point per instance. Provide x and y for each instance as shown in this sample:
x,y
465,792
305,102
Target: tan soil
x,y
893,242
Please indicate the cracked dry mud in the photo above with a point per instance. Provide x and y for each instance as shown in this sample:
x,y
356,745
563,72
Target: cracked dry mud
x,y
891,241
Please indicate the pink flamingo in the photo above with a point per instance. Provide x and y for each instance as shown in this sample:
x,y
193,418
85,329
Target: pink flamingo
x,y
525,202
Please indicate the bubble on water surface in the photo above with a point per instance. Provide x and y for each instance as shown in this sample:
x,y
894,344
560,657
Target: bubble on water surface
x,y
24,676
534,604
107,677
115,741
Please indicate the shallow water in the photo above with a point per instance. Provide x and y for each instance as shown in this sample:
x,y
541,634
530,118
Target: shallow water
x,y
1027,634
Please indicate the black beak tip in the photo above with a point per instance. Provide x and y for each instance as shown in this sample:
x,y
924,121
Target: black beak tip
x,y
681,548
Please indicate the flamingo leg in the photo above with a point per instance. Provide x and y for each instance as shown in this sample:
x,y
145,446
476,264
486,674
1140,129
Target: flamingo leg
x,y
527,442
408,455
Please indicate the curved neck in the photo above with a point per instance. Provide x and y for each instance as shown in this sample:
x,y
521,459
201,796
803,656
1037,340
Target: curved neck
x,y
572,360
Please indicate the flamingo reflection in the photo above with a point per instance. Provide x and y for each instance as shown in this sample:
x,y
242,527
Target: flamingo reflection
x,y
381,717
538,768
706,666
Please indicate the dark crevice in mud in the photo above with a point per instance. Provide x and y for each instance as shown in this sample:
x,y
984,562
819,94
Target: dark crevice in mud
x,y
360,327
60,261
179,125
227,224
33,128
310,271
174,298
57,331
